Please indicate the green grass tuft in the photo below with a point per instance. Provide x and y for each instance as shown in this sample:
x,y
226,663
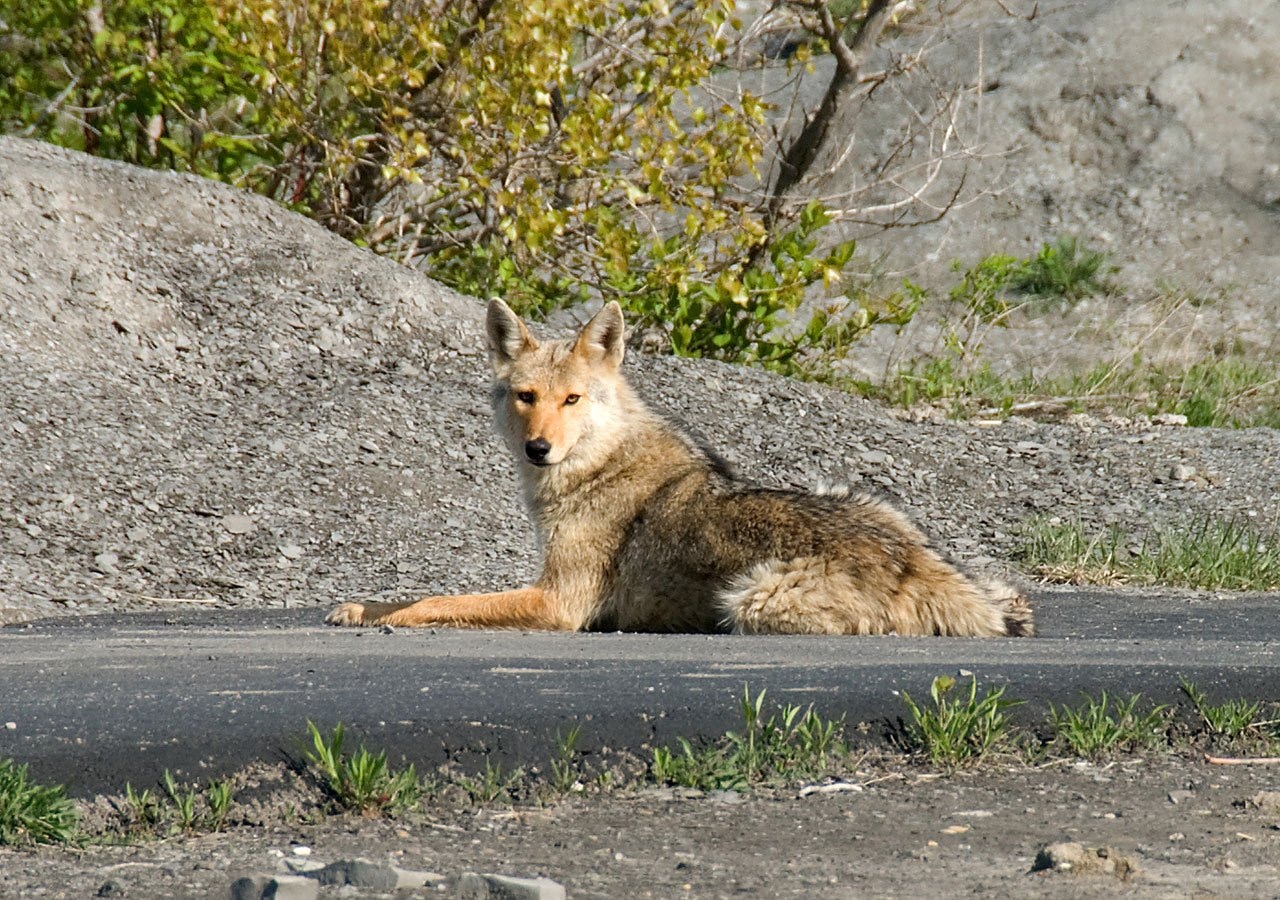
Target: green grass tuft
x,y
771,745
1098,727
1232,719
1065,270
361,782
491,784
958,729
1207,554
33,813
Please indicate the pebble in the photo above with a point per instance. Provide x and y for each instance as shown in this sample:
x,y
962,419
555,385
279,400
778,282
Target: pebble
x,y
237,524
106,563
473,886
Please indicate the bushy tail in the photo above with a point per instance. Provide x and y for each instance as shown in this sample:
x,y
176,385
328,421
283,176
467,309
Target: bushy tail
x,y
1019,621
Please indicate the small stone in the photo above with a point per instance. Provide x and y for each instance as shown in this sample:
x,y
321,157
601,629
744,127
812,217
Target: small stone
x,y
1267,801
1073,857
250,887
876,457
300,850
11,726
408,879
501,887
1182,796
106,563
237,524
291,551
357,873
292,887
1170,419
111,888
1183,472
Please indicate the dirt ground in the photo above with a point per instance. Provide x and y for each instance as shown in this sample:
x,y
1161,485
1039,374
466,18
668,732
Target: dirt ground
x,y
1169,825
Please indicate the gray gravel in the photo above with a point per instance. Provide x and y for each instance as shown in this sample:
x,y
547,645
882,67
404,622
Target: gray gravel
x,y
207,399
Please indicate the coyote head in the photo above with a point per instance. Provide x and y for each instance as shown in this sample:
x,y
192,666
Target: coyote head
x,y
557,400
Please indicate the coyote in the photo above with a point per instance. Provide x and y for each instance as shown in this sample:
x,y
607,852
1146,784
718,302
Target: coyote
x,y
642,529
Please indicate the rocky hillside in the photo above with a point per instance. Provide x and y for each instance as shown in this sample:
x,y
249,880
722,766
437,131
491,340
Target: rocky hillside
x,y
205,398
1149,129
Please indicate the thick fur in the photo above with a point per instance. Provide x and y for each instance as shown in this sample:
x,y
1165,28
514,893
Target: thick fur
x,y
642,530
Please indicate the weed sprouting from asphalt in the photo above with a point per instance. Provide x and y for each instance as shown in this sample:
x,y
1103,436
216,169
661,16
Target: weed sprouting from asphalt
x,y
490,784
142,807
958,729
1202,554
958,726
1232,719
30,812
361,782
772,744
1101,726
182,800
564,765
705,768
218,800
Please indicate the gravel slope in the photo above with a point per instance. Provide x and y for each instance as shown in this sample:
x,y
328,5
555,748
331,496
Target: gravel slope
x,y
205,397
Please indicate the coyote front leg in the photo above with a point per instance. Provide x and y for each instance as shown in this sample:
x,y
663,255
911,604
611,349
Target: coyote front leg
x,y
531,608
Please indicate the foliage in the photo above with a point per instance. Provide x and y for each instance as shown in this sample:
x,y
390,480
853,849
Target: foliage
x,y
362,782
490,784
1230,719
546,151
1205,553
183,802
981,291
1065,270
958,729
30,812
142,807
564,765
747,312
1098,727
157,84
780,744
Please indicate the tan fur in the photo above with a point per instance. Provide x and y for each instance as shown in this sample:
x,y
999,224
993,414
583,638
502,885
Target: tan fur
x,y
642,530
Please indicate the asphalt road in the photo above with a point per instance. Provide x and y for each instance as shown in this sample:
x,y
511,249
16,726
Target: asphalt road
x,y
94,702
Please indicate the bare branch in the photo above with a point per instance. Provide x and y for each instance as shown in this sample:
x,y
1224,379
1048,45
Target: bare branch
x,y
800,156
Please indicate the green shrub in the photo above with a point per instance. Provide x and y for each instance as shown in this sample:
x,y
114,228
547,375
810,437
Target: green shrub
x,y
1064,270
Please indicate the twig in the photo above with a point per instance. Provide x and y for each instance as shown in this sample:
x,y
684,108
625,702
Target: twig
x,y
836,788
1242,761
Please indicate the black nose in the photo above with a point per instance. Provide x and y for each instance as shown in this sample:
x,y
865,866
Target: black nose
x,y
537,450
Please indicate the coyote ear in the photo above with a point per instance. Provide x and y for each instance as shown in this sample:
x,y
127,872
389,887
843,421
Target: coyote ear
x,y
508,337
601,339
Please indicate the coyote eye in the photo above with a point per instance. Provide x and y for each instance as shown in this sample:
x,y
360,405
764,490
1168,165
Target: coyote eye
x,y
571,399
526,397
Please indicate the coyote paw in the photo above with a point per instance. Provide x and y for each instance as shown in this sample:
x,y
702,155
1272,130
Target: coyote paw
x,y
347,614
